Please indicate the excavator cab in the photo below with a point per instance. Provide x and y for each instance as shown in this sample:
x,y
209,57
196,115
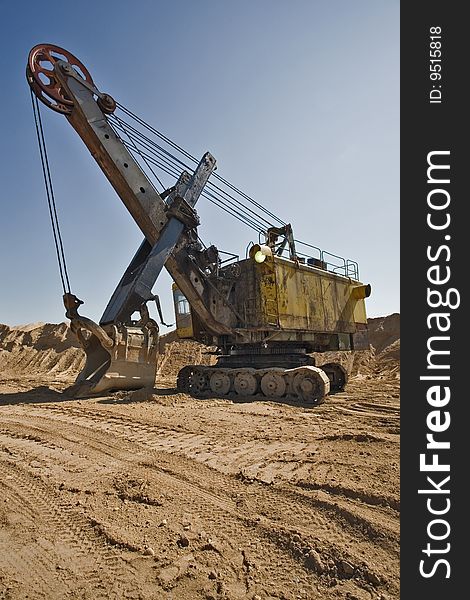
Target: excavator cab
x,y
184,320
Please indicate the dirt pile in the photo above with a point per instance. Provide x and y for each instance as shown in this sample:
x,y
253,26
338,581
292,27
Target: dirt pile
x,y
46,348
388,361
384,337
39,348
384,331
176,354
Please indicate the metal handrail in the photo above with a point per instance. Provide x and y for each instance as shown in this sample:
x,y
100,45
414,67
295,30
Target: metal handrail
x,y
346,267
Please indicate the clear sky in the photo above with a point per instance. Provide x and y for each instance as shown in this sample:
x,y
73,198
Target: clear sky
x,y
298,101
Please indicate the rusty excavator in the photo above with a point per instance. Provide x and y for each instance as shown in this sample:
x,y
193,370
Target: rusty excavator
x,y
265,314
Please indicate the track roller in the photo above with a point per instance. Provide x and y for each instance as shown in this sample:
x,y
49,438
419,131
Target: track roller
x,y
273,383
245,382
310,384
337,375
219,382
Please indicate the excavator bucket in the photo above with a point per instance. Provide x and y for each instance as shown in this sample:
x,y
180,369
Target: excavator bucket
x,y
118,357
130,364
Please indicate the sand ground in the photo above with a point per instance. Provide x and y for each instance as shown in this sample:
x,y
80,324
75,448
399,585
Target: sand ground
x,y
157,495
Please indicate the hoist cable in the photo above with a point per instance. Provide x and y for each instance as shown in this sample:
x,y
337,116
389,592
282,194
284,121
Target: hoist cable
x,y
154,155
156,132
214,193
260,206
231,211
210,183
169,159
138,151
188,155
219,191
137,132
59,247
173,171
153,147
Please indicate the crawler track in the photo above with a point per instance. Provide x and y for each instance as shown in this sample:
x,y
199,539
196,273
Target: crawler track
x,y
308,384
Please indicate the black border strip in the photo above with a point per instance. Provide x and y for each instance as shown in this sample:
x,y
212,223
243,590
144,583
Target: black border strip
x,y
430,127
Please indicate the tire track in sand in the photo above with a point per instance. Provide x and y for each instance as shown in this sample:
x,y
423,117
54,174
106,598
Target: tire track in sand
x,y
66,539
310,525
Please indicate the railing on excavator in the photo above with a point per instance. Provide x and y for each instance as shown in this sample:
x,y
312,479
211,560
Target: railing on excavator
x,y
325,260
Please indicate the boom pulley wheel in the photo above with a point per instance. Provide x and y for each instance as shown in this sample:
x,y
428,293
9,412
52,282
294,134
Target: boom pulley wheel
x,y
43,80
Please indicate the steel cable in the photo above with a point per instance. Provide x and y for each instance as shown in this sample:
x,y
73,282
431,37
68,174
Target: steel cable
x,y
59,247
173,172
152,146
171,167
216,194
192,158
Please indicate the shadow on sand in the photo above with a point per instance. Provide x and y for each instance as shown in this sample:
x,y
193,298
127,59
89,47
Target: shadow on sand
x,y
44,394
37,395
137,396
145,395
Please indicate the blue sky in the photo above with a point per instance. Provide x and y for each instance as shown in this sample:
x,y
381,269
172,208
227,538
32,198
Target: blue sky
x,y
298,101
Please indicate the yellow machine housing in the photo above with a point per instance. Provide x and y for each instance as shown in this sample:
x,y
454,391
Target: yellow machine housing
x,y
285,301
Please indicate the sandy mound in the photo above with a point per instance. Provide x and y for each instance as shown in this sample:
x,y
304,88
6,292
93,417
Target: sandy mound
x,y
27,326
384,331
384,337
388,361
46,348
175,355
39,349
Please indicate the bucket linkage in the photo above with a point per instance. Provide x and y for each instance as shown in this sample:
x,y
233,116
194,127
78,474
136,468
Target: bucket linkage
x,y
118,356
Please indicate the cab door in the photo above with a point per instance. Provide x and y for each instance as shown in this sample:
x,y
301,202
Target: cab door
x,y
184,320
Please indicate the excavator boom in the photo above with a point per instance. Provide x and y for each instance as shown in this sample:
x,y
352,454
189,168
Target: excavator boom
x,y
128,358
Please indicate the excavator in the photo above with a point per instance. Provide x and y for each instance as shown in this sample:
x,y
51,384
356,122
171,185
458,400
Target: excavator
x,y
264,314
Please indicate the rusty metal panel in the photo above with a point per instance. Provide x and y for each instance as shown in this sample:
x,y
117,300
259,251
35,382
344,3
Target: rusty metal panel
x,y
359,314
300,304
246,296
316,300
268,287
290,303
361,340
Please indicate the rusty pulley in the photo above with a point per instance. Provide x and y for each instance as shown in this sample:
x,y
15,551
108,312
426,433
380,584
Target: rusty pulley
x,y
43,81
